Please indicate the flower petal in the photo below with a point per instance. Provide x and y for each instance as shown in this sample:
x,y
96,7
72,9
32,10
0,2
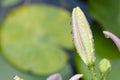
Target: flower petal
x,y
113,37
76,77
17,78
56,76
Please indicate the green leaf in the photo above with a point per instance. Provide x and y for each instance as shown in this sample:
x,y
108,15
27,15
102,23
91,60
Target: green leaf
x,y
104,48
33,38
107,13
8,72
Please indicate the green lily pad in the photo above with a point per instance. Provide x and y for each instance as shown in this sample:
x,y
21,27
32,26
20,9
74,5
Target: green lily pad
x,y
107,13
105,48
7,72
32,38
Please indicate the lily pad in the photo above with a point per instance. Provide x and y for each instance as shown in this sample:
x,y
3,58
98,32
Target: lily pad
x,y
7,72
33,38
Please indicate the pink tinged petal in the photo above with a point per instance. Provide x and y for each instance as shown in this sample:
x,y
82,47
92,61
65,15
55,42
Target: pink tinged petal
x,y
113,37
76,77
56,76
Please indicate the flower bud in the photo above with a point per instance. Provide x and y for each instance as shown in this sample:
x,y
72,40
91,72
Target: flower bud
x,y
83,38
104,66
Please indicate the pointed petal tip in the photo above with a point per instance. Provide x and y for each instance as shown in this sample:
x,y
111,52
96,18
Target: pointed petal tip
x,y
56,76
17,78
107,34
76,77
115,39
110,35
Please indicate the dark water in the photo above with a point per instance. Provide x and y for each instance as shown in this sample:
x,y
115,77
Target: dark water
x,y
67,4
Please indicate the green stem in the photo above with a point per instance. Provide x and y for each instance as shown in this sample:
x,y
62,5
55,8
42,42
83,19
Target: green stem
x,y
103,76
93,73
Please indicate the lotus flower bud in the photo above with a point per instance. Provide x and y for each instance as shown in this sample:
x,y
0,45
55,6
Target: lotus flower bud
x,y
83,38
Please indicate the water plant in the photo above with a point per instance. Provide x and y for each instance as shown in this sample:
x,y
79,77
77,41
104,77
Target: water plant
x,y
84,44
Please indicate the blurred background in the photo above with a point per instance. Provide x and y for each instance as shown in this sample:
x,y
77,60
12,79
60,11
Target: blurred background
x,y
36,37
